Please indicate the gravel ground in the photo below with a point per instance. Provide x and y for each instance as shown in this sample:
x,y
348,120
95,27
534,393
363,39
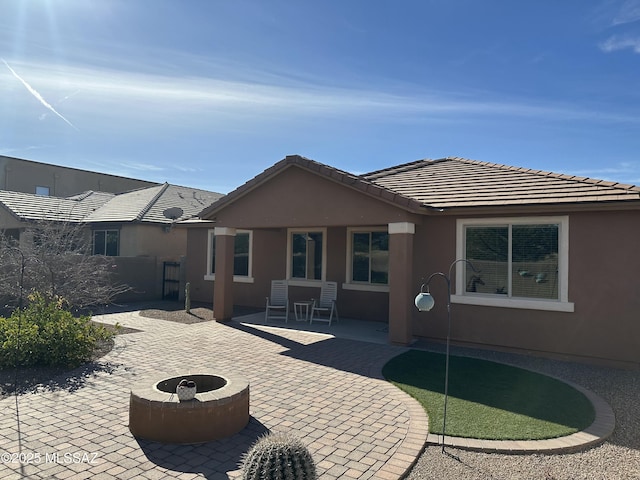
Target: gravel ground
x,y
618,458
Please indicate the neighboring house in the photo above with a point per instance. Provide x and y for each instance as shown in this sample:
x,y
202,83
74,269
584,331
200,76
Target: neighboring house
x,y
558,255
140,229
27,176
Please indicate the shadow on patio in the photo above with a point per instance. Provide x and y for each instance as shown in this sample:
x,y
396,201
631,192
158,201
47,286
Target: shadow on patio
x,y
208,459
354,346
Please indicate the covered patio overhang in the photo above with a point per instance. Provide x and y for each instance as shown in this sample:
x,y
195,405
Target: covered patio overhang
x,y
299,196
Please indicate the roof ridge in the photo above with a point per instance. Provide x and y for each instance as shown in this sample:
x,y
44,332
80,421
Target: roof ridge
x,y
401,168
357,181
78,197
151,202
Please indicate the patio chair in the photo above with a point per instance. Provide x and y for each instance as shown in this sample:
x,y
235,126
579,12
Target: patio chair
x,y
326,305
278,301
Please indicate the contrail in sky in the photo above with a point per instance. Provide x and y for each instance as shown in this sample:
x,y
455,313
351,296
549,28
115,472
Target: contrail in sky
x,y
37,95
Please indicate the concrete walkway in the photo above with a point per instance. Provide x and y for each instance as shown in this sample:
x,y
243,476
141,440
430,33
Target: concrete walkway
x,y
326,390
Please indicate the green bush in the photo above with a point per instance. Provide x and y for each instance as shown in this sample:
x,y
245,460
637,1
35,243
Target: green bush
x,y
45,333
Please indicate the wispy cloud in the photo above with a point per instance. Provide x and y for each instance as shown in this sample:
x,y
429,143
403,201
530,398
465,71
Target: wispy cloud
x,y
11,151
618,42
38,97
625,172
212,101
629,12
187,169
142,167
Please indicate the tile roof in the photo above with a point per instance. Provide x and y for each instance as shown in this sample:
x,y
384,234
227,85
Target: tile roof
x,y
28,206
335,174
126,207
456,182
141,205
190,200
453,183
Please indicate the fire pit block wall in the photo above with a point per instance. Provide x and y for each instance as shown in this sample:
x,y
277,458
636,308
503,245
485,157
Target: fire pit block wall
x,y
219,410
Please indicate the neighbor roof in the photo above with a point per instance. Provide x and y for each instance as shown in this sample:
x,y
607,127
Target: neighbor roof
x,y
31,207
141,205
149,205
456,182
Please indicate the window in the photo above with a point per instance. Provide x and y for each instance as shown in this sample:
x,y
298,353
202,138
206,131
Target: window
x,y
368,261
106,242
43,191
11,235
522,263
241,256
306,255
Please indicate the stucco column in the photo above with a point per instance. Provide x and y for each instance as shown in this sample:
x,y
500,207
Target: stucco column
x,y
400,277
223,284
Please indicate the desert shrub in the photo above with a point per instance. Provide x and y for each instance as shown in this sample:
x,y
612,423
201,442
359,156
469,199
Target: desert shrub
x,y
46,333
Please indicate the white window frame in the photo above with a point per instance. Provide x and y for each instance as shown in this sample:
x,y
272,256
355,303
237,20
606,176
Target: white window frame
x,y
361,286
304,282
236,278
562,304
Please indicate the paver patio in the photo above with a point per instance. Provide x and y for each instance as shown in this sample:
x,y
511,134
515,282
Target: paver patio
x,y
326,390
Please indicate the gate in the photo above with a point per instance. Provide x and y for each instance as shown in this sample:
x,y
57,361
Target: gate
x,y
171,281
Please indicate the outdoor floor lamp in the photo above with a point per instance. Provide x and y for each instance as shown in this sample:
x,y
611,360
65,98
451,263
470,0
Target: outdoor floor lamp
x,y
425,302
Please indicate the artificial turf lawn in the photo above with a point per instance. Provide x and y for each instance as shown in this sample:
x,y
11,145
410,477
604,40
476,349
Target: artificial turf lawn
x,y
489,400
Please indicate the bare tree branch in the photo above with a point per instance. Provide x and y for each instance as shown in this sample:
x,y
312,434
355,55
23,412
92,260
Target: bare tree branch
x,y
54,258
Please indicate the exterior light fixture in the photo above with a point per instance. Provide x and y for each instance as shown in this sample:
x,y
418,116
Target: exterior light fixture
x,y
425,302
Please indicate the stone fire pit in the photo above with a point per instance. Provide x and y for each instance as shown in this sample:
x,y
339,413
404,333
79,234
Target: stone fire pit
x,y
220,408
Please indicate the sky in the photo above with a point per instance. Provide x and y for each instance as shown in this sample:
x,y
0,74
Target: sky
x,y
209,93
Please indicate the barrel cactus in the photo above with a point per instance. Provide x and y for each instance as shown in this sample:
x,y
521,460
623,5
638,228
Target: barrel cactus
x,y
278,456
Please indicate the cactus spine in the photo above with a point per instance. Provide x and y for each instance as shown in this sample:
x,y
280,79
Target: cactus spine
x,y
278,456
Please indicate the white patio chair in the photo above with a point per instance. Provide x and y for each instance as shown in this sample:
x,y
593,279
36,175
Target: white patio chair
x,y
278,301
326,305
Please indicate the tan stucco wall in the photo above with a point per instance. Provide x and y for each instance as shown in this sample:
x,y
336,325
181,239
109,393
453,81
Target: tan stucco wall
x,y
269,263
143,250
24,175
298,198
7,220
196,265
152,240
603,261
142,274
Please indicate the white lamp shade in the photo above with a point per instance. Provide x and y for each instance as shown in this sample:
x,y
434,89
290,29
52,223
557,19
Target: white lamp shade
x,y
424,301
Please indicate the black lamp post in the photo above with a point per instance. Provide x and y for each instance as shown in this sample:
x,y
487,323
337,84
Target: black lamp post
x,y
425,302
